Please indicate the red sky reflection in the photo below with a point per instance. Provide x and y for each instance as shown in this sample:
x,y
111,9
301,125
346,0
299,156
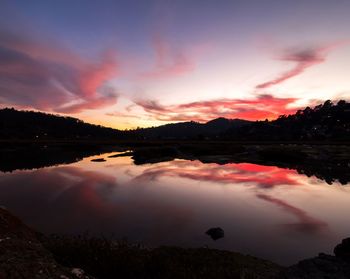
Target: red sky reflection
x,y
250,174
305,223
257,176
262,209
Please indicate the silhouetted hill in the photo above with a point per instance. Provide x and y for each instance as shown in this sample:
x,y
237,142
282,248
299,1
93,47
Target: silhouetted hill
x,y
221,124
29,125
191,130
16,124
326,121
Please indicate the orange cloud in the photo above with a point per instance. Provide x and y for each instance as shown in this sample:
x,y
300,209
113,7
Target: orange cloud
x,y
262,107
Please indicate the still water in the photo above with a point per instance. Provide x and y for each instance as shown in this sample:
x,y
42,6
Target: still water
x,y
265,211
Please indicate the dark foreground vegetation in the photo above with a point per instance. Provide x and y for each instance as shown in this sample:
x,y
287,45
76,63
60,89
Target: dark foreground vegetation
x,y
104,258
25,253
325,122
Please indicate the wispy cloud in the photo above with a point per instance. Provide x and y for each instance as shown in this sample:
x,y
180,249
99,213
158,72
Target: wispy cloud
x,y
305,222
303,58
123,115
261,107
169,61
49,77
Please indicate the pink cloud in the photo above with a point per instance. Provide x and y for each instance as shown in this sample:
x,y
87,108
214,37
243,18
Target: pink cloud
x,y
303,58
92,78
169,62
46,77
261,107
305,222
89,104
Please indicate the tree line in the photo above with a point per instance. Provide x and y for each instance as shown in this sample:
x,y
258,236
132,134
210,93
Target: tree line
x,y
327,121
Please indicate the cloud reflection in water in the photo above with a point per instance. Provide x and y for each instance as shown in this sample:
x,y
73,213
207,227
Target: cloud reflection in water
x,y
173,203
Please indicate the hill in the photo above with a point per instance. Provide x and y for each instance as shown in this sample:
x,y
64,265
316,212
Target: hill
x,y
29,125
191,129
325,122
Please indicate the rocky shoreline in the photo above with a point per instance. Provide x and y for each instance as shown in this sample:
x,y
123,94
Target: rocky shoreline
x,y
25,253
22,255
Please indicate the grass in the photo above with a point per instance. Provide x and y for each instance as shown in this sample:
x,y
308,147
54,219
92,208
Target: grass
x,y
104,258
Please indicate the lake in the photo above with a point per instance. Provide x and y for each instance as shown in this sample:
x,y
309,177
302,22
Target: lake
x,y
265,211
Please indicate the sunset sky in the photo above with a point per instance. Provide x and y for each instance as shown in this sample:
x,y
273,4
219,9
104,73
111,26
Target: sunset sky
x,y
132,63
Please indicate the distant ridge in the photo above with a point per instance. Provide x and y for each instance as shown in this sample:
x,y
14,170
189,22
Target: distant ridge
x,y
191,129
326,121
16,124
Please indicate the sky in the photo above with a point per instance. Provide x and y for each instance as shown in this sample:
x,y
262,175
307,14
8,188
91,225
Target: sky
x,y
140,63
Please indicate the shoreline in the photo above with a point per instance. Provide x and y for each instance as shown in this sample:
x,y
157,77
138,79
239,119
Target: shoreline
x,y
327,162
26,253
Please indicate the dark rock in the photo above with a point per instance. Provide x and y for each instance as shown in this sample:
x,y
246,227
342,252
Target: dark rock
x,y
98,160
323,266
342,250
215,233
22,255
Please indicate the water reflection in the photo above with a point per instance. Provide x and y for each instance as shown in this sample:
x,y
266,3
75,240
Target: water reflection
x,y
256,176
265,211
305,224
259,176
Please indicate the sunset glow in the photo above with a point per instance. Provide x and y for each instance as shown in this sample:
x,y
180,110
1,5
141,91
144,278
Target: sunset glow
x,y
127,64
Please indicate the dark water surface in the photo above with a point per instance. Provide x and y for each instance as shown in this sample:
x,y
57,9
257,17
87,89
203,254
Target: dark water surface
x,y
266,211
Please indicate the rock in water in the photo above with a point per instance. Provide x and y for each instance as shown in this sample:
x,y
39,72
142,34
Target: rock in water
x,y
342,250
215,233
